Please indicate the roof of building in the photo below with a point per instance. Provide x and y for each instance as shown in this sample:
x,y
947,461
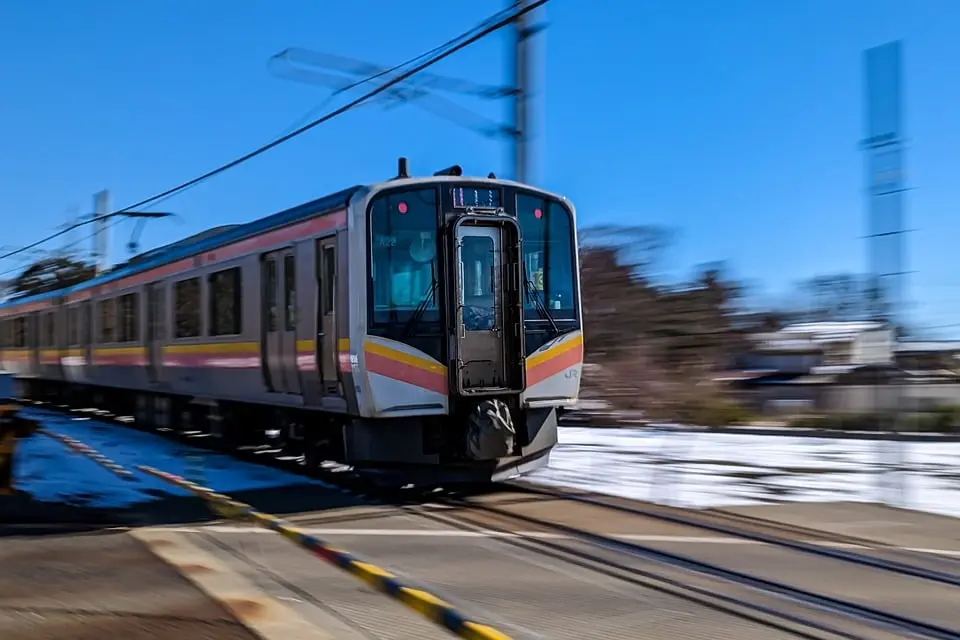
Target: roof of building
x,y
927,346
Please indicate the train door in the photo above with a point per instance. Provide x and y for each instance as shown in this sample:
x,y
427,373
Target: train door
x,y
326,347
155,330
479,308
279,322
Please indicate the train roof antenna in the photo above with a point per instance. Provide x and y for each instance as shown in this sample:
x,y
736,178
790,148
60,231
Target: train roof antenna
x,y
402,169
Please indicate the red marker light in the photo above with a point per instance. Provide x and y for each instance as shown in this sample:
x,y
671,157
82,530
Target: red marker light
x,y
402,208
537,214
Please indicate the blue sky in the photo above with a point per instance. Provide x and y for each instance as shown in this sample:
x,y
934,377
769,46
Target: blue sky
x,y
736,122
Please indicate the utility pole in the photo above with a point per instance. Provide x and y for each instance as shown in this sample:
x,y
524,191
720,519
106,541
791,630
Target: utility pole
x,y
101,216
101,207
299,65
522,70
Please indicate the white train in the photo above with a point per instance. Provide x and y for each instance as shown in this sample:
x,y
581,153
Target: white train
x,y
425,322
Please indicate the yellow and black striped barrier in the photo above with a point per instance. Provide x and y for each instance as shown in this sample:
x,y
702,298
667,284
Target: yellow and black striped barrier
x,y
93,454
426,604
12,428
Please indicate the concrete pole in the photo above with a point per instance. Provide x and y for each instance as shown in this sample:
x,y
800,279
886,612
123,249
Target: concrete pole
x,y
101,207
522,72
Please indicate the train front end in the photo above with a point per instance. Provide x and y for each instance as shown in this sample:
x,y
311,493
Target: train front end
x,y
471,324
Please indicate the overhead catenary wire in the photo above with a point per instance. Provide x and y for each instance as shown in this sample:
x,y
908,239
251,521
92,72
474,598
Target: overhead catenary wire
x,y
87,238
463,41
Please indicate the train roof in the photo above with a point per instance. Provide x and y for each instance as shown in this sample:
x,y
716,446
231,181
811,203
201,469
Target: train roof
x,y
204,241
216,237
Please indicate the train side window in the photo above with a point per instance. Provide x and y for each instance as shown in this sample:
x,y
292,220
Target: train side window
x,y
226,308
48,332
289,293
128,308
73,325
157,317
187,317
86,319
330,282
20,332
107,312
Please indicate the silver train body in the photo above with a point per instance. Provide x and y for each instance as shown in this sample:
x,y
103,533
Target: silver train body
x,y
423,322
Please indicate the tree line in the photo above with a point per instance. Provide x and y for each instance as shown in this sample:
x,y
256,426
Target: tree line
x,y
661,347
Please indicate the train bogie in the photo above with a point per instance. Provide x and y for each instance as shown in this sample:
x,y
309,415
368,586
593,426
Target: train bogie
x,y
431,322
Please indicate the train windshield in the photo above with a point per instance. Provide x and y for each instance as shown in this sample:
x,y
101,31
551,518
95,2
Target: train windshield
x,y
548,259
403,260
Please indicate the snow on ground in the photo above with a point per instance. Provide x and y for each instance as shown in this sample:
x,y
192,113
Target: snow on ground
x,y
695,469
699,469
49,471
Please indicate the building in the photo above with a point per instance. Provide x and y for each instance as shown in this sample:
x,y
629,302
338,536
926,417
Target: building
x,y
846,367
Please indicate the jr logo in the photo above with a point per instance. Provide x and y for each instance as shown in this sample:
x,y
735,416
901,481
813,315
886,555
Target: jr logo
x,y
571,374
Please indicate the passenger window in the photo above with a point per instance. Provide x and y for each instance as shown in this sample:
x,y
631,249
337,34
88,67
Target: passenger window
x,y
107,311
128,307
73,325
49,331
86,317
187,308
226,309
158,319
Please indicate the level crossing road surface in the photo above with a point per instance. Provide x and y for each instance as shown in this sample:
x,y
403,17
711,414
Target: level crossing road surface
x,y
107,585
188,577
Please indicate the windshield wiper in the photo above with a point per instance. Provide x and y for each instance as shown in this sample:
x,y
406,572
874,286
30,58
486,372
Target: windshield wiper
x,y
541,306
422,306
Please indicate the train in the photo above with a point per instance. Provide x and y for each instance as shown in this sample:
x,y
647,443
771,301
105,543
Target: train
x,y
429,324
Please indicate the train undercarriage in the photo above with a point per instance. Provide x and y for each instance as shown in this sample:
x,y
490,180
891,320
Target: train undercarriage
x,y
484,441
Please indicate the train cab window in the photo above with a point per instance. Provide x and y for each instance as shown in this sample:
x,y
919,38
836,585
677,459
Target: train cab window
x,y
548,259
289,293
403,257
107,315
128,307
187,316
226,308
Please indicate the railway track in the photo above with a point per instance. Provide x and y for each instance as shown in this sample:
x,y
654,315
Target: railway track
x,y
789,605
523,515
855,550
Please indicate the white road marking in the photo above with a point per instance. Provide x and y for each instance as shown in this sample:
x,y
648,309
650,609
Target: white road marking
x,y
321,532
